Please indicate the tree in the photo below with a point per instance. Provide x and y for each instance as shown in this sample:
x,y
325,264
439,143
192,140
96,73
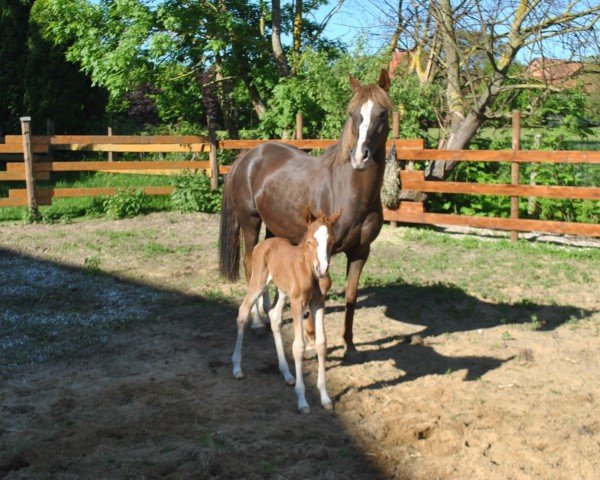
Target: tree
x,y
173,45
36,80
14,17
475,46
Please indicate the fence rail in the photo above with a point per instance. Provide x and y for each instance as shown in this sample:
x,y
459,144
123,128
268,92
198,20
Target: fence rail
x,y
409,150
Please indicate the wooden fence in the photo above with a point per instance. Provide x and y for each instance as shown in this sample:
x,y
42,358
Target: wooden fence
x,y
42,164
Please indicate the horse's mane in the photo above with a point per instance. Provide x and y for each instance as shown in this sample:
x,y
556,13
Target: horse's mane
x,y
339,153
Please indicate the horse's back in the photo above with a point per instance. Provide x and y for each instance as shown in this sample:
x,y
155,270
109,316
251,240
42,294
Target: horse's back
x,y
276,182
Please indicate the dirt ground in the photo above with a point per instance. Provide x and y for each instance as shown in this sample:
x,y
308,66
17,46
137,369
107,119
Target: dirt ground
x,y
116,337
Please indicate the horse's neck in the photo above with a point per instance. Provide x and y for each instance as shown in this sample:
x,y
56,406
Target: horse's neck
x,y
369,181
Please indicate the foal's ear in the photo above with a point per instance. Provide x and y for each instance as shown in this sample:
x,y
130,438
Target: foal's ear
x,y
308,215
334,217
384,80
354,83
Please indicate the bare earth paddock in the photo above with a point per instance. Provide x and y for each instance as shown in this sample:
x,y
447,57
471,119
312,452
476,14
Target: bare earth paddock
x,y
480,360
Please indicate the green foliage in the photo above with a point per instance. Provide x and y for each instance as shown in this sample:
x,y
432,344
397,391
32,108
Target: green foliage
x,y
565,112
416,103
36,79
13,58
320,91
193,194
126,203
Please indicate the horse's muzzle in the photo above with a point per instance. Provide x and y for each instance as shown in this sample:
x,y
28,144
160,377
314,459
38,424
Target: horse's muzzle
x,y
362,162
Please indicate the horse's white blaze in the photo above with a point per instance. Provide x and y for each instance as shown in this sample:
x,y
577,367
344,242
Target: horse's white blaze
x,y
365,112
321,235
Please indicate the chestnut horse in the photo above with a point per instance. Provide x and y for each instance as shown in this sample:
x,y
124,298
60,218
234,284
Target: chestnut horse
x,y
273,183
300,273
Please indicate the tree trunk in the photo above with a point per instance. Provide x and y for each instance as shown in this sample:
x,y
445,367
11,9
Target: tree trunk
x,y
246,75
224,101
296,35
278,53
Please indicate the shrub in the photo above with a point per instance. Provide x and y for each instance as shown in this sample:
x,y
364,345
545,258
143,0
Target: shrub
x,y
193,193
126,203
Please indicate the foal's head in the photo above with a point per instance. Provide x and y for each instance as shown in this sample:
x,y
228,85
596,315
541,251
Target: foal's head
x,y
368,121
319,239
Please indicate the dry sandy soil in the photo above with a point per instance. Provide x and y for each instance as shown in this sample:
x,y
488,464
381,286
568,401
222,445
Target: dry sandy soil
x,y
478,361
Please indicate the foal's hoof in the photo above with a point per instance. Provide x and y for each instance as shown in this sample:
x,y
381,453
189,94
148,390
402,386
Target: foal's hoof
x,y
304,410
259,330
290,381
353,356
328,406
239,375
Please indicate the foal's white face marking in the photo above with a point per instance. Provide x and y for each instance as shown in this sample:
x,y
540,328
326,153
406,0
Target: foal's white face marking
x,y
365,112
321,235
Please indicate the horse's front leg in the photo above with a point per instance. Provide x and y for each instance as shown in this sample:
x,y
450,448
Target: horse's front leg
x,y
356,262
276,317
317,309
309,332
298,351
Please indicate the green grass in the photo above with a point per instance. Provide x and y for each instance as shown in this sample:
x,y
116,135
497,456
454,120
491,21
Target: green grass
x,y
64,209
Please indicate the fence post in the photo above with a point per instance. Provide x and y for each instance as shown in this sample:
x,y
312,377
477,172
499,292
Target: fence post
x,y
110,154
395,133
514,170
212,157
50,130
28,159
299,125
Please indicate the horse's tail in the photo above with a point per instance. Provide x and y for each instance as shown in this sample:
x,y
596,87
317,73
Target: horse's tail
x,y
229,238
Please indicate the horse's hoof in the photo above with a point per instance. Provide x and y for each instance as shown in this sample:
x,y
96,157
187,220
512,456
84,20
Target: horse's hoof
x,y
304,410
259,331
290,381
239,375
328,406
353,356
310,353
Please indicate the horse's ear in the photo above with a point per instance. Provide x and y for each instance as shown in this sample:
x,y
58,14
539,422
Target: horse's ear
x,y
354,83
334,217
384,80
308,215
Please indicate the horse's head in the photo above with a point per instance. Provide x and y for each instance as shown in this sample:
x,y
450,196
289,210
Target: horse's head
x,y
319,239
368,118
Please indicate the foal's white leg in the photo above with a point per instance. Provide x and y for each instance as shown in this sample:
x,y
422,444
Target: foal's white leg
x,y
318,312
276,316
298,350
242,320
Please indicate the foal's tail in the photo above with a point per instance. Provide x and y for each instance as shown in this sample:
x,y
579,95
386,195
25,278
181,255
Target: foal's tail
x,y
229,239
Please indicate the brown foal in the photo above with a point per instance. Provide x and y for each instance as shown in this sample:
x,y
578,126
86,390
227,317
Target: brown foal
x,y
300,273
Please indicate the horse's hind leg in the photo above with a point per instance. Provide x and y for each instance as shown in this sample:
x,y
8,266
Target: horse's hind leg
x,y
242,320
250,231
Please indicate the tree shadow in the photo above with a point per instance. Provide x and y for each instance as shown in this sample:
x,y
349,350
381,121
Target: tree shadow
x,y
103,376
441,309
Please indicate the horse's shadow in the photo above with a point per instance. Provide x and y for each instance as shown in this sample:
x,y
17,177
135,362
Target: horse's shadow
x,y
441,309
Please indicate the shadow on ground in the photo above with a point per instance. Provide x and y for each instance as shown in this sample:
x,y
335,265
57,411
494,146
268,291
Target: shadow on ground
x,y
106,378
441,309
